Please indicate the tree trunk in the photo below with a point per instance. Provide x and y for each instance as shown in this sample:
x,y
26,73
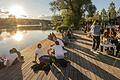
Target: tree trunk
x,y
76,19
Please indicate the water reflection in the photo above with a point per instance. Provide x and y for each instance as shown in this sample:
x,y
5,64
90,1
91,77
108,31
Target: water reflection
x,y
18,36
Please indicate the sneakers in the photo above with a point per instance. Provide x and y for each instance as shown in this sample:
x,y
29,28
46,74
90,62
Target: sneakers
x,y
94,51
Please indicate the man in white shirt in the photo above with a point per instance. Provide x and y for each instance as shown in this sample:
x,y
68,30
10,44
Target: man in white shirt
x,y
60,42
58,50
58,57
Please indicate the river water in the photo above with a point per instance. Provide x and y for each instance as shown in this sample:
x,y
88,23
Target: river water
x,y
20,39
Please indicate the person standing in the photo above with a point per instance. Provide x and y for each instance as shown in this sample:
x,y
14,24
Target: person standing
x,y
95,32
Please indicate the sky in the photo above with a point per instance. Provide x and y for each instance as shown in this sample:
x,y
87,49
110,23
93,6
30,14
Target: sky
x,y
39,8
100,4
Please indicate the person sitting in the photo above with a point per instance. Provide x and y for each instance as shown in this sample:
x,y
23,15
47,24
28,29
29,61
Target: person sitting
x,y
59,40
69,34
58,54
3,62
38,53
106,36
115,41
53,35
20,58
50,37
65,38
11,57
43,58
57,50
107,33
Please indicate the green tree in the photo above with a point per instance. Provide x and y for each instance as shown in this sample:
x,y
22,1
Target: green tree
x,y
67,17
54,6
104,16
77,7
111,11
118,12
56,20
91,9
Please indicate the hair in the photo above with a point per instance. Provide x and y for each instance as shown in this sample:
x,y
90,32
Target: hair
x,y
56,42
108,29
39,45
14,49
11,51
97,22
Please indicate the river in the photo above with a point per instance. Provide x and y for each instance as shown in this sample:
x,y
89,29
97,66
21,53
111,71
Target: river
x,y
20,39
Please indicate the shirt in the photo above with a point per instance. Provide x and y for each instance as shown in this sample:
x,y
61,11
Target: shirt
x,y
60,42
95,30
39,52
59,52
11,58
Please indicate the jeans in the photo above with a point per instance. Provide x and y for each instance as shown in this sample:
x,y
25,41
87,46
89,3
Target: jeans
x,y
96,42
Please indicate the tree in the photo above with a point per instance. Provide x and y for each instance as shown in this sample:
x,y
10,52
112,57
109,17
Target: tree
x,y
67,17
118,12
91,9
97,16
56,20
111,11
104,16
77,7
54,6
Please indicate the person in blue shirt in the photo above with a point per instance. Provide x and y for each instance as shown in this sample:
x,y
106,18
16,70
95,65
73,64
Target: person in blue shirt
x,y
95,32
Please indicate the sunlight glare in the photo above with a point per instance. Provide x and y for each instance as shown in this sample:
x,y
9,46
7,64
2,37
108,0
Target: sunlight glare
x,y
18,36
17,10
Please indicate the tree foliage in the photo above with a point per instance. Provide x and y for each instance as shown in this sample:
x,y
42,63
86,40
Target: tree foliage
x,y
67,17
118,12
91,9
104,16
111,11
77,8
56,20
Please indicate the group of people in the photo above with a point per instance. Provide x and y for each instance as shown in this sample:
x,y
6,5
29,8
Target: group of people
x,y
10,58
51,36
107,35
55,53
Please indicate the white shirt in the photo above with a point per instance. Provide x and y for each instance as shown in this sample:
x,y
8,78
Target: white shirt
x,y
59,52
60,42
11,58
39,52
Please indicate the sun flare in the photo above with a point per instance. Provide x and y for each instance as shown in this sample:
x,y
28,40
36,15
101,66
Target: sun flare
x,y
17,10
18,36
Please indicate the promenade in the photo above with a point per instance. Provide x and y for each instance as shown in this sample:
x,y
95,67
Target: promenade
x,y
84,65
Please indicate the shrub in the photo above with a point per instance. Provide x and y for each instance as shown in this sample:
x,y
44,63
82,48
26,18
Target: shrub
x,y
62,28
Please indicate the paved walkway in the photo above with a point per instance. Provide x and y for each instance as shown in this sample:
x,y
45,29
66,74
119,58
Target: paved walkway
x,y
84,65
